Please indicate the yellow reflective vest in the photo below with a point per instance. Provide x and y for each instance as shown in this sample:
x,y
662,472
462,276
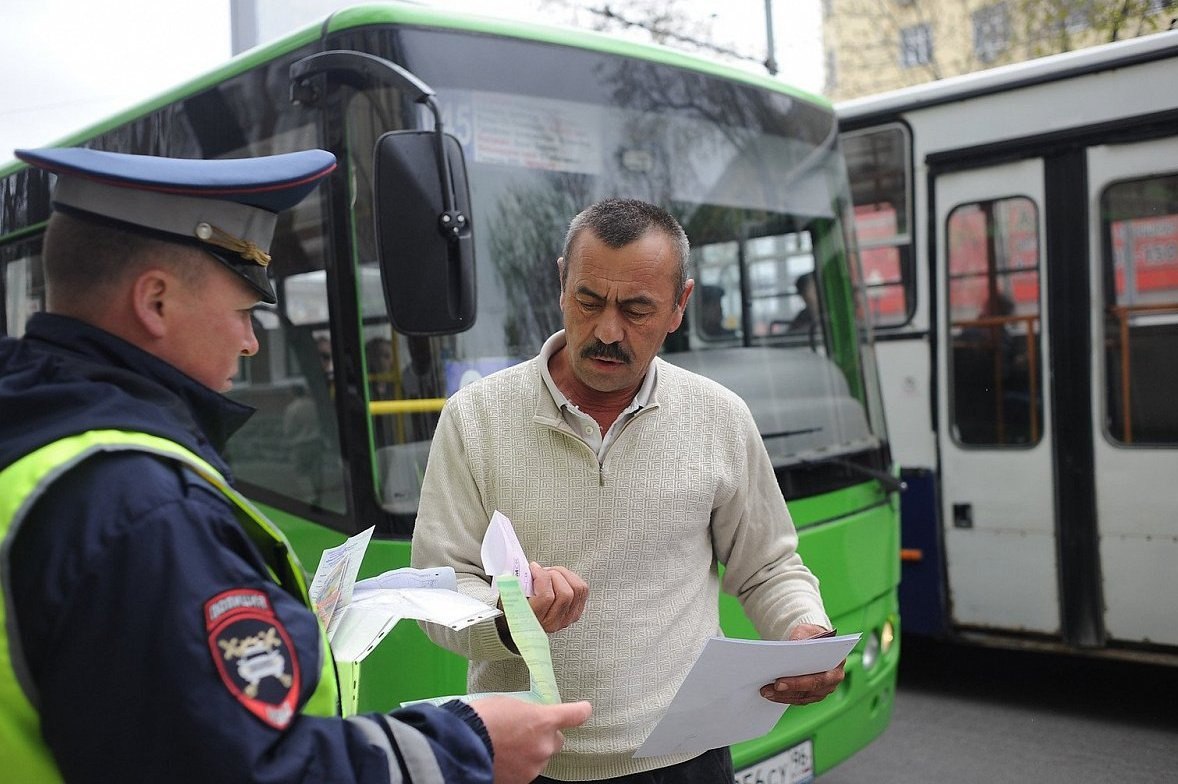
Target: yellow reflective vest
x,y
27,758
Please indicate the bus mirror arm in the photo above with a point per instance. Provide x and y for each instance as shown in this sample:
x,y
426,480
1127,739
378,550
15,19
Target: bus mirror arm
x,y
360,70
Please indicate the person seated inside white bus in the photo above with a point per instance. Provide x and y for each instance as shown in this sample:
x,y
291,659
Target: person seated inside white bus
x,y
991,381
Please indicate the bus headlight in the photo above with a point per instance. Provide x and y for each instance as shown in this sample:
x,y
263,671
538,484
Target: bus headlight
x,y
870,651
887,636
878,643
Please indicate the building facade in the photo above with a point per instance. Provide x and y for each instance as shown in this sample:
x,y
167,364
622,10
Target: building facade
x,y
877,45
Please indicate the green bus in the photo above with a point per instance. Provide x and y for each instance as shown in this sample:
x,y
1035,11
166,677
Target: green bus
x,y
382,313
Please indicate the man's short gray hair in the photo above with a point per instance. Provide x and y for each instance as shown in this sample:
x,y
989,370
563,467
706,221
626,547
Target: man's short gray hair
x,y
618,222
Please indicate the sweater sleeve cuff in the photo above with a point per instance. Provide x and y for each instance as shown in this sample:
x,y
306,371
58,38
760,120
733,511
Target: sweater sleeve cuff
x,y
815,618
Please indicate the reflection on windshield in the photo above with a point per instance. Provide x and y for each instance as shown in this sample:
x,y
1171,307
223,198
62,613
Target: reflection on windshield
x,y
752,176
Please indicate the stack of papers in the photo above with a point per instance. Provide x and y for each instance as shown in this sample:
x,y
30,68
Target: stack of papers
x,y
720,701
358,615
718,704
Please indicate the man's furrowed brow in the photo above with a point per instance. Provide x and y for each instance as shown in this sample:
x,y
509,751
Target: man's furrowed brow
x,y
584,290
639,299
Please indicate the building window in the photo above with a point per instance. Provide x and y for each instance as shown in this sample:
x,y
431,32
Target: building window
x,y
1079,18
991,32
916,46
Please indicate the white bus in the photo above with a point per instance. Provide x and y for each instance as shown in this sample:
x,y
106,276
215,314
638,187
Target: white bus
x,y
1018,229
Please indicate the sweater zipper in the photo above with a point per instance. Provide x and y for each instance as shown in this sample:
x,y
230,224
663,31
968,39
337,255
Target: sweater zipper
x,y
563,428
625,427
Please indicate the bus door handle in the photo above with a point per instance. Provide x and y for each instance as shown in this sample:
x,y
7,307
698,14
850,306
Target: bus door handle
x,y
963,515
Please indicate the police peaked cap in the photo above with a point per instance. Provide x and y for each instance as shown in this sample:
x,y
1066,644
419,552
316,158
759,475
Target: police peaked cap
x,y
225,207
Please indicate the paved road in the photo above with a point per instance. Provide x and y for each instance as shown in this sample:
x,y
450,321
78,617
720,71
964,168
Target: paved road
x,y
966,715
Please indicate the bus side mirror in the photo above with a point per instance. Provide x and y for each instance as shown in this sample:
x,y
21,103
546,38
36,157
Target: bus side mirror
x,y
424,237
423,230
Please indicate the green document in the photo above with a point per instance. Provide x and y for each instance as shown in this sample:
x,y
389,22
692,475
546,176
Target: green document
x,y
532,642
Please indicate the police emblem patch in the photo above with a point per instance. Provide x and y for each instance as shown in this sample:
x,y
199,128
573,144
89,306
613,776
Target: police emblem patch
x,y
253,654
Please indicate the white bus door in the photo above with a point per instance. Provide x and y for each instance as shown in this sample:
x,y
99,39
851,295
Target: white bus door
x,y
994,429
1133,224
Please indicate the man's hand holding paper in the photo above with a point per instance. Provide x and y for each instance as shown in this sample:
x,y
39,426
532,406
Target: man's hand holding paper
x,y
717,705
557,595
805,689
560,596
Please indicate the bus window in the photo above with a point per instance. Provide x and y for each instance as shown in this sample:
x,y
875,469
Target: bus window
x,y
24,287
291,444
1140,270
781,289
877,164
993,280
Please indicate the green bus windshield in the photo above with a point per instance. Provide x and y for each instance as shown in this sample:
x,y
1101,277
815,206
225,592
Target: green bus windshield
x,y
753,176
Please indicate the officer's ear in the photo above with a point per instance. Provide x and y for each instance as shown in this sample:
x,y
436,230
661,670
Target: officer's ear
x,y
151,292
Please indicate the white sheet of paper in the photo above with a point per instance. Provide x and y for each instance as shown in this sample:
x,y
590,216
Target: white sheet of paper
x,y
503,554
374,612
359,631
408,577
720,701
532,641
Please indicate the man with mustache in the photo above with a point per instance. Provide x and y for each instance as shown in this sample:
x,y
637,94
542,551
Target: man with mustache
x,y
631,479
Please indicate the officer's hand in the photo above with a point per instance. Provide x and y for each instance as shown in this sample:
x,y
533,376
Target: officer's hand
x,y
525,735
559,596
804,689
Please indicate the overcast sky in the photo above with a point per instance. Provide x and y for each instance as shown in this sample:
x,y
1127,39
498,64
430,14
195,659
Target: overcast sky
x,y
67,63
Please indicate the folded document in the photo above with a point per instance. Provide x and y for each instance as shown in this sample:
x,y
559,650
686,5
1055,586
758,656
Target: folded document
x,y
359,614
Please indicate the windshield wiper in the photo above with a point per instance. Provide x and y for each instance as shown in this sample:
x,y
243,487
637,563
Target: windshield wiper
x,y
788,433
890,483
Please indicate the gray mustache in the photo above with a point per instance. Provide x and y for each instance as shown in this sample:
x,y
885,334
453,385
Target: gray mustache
x,y
597,349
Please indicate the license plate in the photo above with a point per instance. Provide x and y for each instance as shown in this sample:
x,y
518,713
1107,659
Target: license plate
x,y
795,765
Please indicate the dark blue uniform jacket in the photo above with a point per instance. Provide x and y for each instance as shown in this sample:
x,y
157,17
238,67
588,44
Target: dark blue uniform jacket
x,y
112,571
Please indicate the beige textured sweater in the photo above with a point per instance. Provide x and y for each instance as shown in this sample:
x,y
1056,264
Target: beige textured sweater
x,y
687,485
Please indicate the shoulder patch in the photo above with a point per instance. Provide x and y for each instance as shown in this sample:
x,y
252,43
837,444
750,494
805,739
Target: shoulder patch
x,y
253,654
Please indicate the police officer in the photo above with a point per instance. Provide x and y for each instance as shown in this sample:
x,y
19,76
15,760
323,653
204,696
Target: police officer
x,y
155,626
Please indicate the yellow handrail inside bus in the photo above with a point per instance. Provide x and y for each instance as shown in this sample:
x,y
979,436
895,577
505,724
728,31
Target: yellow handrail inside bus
x,y
423,405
